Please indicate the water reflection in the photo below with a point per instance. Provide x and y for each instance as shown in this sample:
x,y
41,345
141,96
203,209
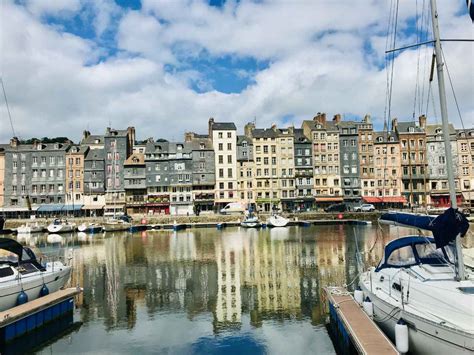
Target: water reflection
x,y
194,285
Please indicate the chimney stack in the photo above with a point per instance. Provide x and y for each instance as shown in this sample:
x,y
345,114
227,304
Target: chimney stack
x,y
188,136
367,118
274,127
337,118
422,121
210,124
394,123
320,118
248,129
14,142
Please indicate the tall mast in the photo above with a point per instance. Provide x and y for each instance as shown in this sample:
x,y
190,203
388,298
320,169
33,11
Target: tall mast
x,y
447,142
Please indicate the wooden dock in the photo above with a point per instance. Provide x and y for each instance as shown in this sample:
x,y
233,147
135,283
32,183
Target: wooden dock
x,y
19,320
357,326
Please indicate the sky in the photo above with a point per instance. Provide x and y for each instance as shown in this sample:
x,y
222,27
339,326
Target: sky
x,y
167,66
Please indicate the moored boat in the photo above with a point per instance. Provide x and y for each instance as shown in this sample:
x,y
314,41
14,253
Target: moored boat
x,y
251,222
90,228
116,225
23,277
61,226
30,227
277,220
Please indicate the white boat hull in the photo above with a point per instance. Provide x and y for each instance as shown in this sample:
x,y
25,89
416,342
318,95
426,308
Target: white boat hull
x,y
32,284
277,221
30,229
425,336
251,224
61,228
114,227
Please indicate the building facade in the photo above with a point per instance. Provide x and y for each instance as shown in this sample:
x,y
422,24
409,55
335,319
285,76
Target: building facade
x,y
224,140
304,182
437,168
366,152
75,156
94,181
246,170
2,173
157,177
465,148
135,183
349,162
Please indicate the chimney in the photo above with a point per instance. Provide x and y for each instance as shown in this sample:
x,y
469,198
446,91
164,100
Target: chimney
x,y
35,144
337,118
107,131
14,142
274,127
422,121
320,118
291,130
248,129
367,118
188,136
210,124
85,134
394,123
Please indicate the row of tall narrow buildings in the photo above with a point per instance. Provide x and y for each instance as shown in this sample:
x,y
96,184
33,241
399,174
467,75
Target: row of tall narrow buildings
x,y
325,161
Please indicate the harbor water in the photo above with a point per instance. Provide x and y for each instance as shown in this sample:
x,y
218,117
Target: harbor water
x,y
206,291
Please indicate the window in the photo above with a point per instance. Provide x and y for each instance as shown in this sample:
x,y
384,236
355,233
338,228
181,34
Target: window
x,y
229,146
221,146
229,159
220,135
229,172
229,134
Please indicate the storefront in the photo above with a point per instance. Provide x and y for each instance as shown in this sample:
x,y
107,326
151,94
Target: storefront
x,y
266,205
326,201
441,200
386,202
158,204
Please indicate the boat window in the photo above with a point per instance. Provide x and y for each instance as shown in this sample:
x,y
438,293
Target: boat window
x,y
468,290
429,254
402,256
8,257
6,271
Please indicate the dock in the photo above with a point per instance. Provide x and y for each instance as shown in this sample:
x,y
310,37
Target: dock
x,y
352,329
29,316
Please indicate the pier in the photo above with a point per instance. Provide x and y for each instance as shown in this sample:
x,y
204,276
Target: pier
x,y
352,329
29,316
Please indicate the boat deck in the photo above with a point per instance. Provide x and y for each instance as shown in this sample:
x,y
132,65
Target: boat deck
x,y
366,336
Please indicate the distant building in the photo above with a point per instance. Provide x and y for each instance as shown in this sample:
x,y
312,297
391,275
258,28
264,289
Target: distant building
x,y
304,179
412,139
366,157
203,172
35,176
118,146
2,173
75,156
437,168
349,160
224,140
94,181
327,178
246,170
180,178
465,148
157,177
135,183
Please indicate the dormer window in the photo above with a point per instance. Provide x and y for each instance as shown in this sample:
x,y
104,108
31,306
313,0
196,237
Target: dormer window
x,y
244,144
202,145
411,129
379,139
392,139
318,126
438,131
179,147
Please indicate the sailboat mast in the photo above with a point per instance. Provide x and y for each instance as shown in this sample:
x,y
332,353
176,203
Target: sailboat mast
x,y
446,135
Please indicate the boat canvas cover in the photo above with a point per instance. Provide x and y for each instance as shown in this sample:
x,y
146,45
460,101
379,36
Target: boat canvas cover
x,y
445,227
12,246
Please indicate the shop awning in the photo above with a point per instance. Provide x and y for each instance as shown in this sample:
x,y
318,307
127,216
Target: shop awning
x,y
328,199
53,207
92,207
468,196
17,209
386,199
70,208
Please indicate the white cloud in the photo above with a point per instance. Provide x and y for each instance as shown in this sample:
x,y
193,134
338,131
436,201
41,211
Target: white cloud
x,y
56,86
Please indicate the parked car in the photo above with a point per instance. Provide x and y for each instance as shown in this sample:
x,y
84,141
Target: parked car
x,y
233,207
367,207
338,207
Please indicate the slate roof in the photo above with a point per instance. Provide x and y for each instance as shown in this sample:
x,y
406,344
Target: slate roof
x,y
95,154
92,139
404,127
135,159
223,126
386,137
241,138
300,137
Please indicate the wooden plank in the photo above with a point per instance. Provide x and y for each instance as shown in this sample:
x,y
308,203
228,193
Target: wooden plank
x,y
24,310
366,335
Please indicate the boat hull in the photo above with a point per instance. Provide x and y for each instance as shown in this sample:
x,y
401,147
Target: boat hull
x,y
32,285
277,221
91,229
61,228
250,224
116,227
425,336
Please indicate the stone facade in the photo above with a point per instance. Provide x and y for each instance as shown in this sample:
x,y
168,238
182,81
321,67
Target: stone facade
x,y
465,148
437,170
366,152
349,158
304,180
246,169
2,173
135,183
75,174
224,140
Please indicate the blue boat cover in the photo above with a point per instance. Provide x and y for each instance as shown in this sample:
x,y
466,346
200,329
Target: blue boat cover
x,y
445,227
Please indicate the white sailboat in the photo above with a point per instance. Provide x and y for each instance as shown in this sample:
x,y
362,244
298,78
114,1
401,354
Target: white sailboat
x,y
277,220
30,227
21,274
421,280
61,226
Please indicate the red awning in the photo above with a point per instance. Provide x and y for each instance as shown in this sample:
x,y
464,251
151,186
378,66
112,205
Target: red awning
x,y
328,199
386,199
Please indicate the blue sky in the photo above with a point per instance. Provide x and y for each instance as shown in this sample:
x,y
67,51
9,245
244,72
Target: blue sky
x,y
152,62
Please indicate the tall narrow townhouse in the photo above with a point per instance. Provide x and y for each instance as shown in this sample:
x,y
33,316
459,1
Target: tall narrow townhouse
x,y
388,179
180,178
327,178
465,148
94,174
412,139
303,171
135,183
286,167
437,169
157,177
224,140
203,172
349,162
246,170
366,156
266,168
75,155
2,173
118,145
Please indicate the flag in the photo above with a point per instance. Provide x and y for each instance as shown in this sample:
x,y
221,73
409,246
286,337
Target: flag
x,y
470,9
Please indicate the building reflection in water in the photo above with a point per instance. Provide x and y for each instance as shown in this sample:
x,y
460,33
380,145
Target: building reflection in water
x,y
234,275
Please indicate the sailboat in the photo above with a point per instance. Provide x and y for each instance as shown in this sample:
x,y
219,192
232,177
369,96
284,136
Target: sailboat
x,y
251,220
421,281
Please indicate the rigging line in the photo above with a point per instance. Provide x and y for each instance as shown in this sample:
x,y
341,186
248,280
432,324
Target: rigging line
x,y
393,60
387,79
425,64
418,35
8,107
